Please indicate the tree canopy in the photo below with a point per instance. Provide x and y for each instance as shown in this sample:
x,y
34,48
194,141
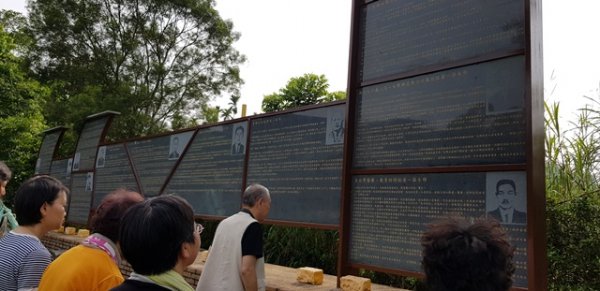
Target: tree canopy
x,y
299,91
157,62
21,119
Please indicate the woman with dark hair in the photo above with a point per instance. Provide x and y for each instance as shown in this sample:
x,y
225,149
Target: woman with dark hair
x,y
163,227
462,256
7,219
93,265
40,205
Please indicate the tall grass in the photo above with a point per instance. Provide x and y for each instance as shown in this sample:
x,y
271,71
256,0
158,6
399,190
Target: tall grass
x,y
573,200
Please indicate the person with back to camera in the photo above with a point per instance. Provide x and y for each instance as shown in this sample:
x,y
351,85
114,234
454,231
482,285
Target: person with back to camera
x,y
235,261
159,238
463,256
94,264
7,219
40,205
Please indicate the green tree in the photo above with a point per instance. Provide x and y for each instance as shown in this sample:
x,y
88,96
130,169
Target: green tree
x,y
299,91
152,60
21,119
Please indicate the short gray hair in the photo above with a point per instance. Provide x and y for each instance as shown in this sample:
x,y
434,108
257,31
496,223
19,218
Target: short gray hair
x,y
254,193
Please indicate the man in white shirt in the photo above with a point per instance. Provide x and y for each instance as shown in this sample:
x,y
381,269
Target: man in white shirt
x,y
235,261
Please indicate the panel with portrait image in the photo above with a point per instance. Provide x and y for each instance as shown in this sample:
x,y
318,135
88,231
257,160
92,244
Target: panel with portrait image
x,y
154,158
210,176
113,172
85,154
298,156
389,213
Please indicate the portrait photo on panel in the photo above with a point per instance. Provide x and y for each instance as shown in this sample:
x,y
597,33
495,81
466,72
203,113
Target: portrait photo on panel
x,y
69,166
101,157
76,160
506,197
175,147
335,126
89,182
238,139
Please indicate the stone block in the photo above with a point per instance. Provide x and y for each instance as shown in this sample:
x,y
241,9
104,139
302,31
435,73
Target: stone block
x,y
310,275
353,283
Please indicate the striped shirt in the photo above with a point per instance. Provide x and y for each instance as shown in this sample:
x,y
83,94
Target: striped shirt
x,y
23,260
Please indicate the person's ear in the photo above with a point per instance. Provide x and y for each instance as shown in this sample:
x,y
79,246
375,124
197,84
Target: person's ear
x,y
187,250
44,209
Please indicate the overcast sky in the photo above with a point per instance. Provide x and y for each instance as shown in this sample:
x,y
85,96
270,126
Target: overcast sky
x,y
287,38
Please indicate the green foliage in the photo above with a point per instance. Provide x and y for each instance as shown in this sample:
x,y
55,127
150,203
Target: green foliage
x,y
393,280
300,91
155,61
300,247
573,201
21,119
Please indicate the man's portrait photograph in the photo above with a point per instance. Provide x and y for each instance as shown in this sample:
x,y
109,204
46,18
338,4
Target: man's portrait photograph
x,y
89,182
174,148
335,126
69,166
76,160
506,197
101,157
238,140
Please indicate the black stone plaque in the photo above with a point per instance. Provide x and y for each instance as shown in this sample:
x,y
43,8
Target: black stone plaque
x,y
298,156
60,170
210,175
398,36
471,115
47,149
80,198
390,213
112,171
154,159
85,155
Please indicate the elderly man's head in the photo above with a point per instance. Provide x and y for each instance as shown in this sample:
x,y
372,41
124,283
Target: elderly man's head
x,y
257,198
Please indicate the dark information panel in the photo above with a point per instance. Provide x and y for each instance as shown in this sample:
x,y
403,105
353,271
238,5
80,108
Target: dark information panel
x,y
398,35
390,213
210,174
80,198
298,156
154,159
85,155
472,115
112,171
49,144
60,170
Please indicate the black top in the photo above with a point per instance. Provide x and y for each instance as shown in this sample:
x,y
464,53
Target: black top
x,y
135,285
252,240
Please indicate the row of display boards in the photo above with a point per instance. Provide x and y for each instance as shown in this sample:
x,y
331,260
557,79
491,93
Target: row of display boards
x,y
444,113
